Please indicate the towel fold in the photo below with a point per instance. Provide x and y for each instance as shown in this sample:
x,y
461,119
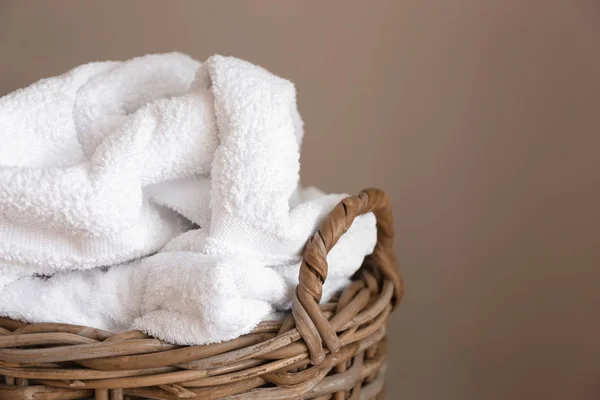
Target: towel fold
x,y
181,177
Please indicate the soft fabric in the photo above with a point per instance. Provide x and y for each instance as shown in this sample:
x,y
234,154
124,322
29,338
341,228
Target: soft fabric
x,y
159,194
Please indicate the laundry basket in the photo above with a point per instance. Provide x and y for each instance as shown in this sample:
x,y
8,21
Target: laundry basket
x,y
322,351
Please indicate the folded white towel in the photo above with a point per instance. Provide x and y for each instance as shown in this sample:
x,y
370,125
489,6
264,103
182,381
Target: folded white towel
x,y
79,150
112,162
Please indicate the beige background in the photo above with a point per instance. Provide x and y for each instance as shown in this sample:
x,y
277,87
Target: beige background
x,y
480,118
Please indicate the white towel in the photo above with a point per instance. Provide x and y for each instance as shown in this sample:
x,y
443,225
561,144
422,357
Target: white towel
x,y
199,162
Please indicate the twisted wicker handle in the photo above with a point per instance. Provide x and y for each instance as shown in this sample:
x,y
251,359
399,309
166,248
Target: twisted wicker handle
x,y
312,324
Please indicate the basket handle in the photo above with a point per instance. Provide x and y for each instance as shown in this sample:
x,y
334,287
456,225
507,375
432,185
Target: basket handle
x,y
312,324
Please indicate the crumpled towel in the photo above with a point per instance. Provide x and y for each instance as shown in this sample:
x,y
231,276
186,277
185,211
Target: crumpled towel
x,y
181,177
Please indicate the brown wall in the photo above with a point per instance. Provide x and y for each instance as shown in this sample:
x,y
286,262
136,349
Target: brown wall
x,y
480,118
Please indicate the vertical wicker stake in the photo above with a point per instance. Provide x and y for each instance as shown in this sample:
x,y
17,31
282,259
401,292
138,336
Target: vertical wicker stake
x,y
101,394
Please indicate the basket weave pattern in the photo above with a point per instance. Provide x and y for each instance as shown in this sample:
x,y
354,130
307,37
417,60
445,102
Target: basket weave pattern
x,y
334,350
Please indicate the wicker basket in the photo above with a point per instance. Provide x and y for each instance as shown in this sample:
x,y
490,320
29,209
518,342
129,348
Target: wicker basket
x,y
334,350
